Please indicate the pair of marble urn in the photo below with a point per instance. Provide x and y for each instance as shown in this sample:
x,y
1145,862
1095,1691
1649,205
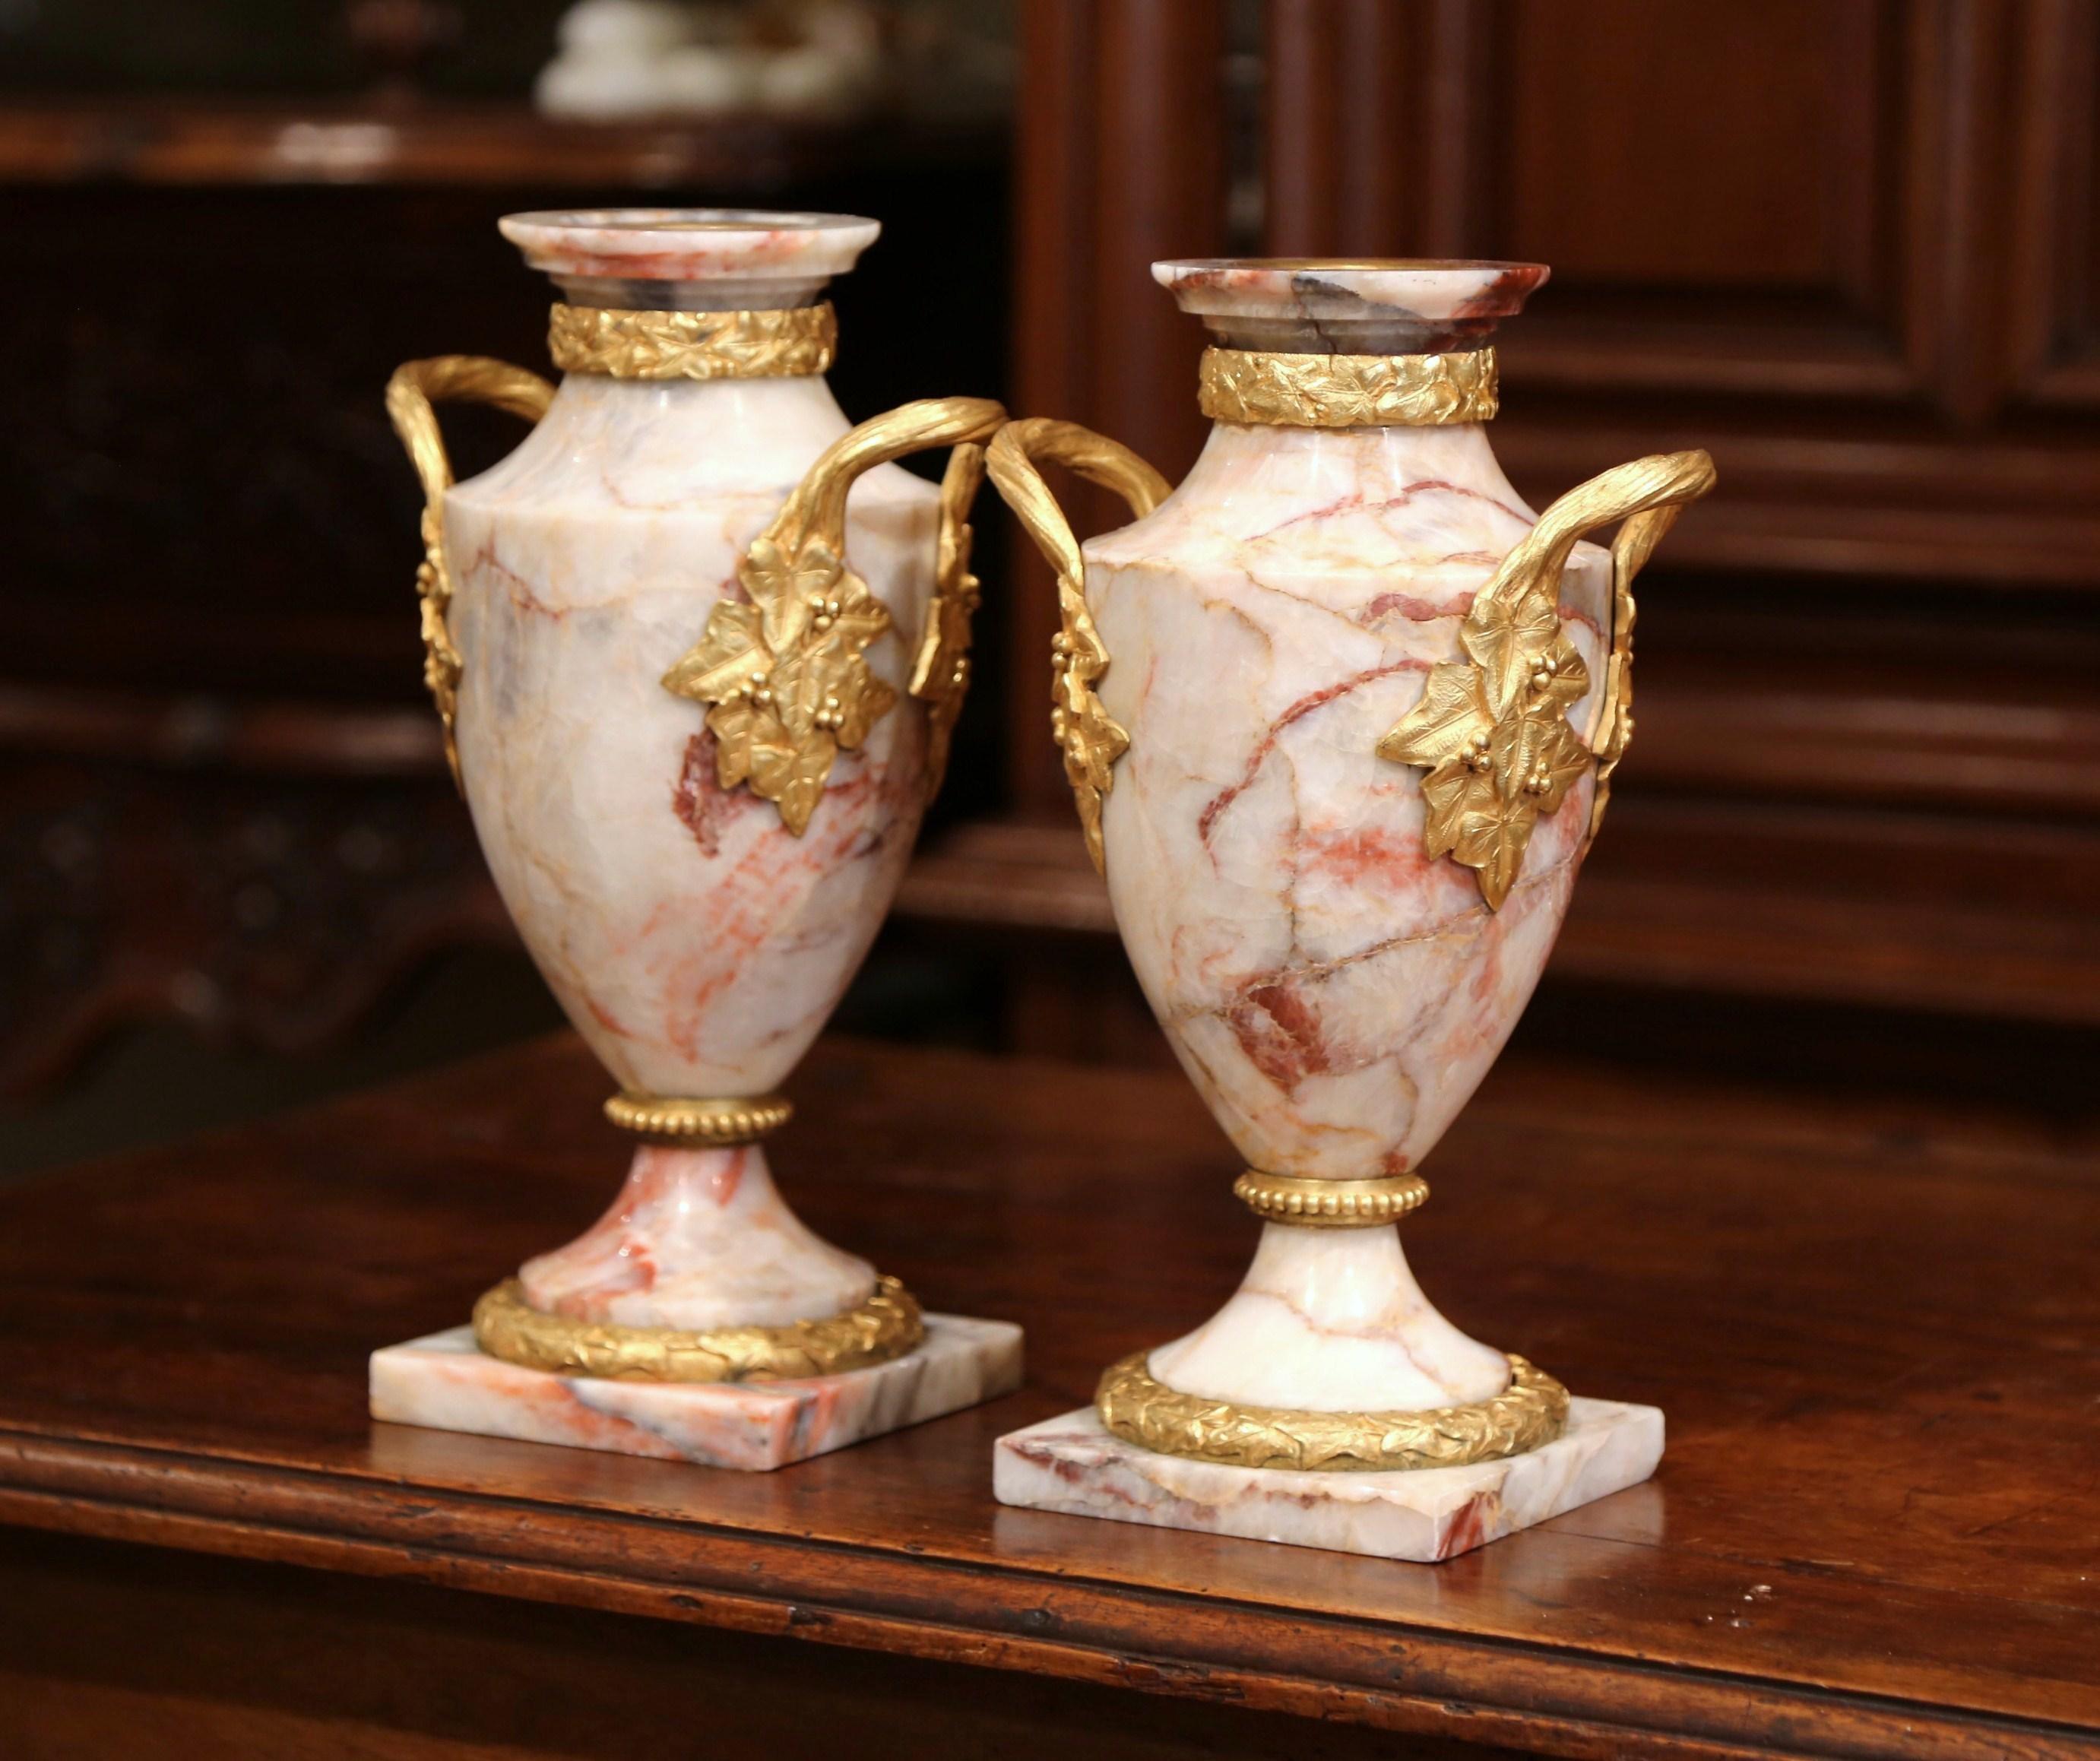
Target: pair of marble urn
x,y
1339,713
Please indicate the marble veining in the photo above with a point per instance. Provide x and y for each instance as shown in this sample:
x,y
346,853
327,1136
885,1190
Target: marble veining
x,y
1331,1320
1072,1464
1334,993
697,1238
695,942
690,258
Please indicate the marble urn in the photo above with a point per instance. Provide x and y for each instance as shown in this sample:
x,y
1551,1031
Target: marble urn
x,y
697,646
1339,714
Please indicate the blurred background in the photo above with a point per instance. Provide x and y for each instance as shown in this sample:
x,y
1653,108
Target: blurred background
x,y
1848,246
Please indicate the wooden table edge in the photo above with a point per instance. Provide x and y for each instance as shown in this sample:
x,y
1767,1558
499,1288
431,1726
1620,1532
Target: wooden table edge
x,y
1483,1689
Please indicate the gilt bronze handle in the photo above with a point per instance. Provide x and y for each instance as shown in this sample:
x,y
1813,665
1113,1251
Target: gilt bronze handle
x,y
1491,731
1089,738
416,385
784,673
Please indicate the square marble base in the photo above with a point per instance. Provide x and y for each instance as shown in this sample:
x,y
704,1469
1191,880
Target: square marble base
x,y
446,1383
1074,1465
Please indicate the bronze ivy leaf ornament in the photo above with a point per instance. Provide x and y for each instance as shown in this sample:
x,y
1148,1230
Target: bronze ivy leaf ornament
x,y
1089,737
1497,758
784,675
784,671
442,666
1491,731
1346,390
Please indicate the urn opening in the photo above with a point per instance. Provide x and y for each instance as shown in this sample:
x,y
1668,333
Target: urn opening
x,y
1340,305
690,259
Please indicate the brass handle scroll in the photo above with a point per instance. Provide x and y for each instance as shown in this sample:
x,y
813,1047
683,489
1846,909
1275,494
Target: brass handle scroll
x,y
941,674
1491,731
1670,484
784,673
416,386
1089,738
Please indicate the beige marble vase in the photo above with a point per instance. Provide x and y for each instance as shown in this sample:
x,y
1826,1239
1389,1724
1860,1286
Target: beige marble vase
x,y
698,647
1339,713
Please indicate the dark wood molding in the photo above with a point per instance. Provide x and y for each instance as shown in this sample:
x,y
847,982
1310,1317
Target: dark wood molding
x,y
1929,172
193,143
302,737
1337,150
269,873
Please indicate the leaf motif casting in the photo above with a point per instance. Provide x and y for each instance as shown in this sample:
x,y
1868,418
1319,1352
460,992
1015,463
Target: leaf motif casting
x,y
886,1325
784,671
1495,739
1257,386
1492,730
1090,739
791,342
1137,1407
442,666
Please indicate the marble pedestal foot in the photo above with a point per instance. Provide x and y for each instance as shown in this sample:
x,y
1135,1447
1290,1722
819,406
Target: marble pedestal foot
x,y
1074,1465
446,1383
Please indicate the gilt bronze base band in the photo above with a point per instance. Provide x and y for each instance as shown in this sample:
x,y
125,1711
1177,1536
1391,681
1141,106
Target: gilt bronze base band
x,y
790,343
1330,1203
1140,1409
701,1124
886,1325
1258,387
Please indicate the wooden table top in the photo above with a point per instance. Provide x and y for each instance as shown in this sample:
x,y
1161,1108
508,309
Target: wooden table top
x,y
1875,1331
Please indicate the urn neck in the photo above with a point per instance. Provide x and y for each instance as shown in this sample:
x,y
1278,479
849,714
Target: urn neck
x,y
656,445
1291,473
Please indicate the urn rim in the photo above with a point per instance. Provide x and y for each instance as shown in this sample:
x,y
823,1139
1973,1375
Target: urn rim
x,y
1430,286
1340,305
690,258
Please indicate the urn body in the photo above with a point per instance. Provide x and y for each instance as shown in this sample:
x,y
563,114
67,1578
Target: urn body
x,y
1335,993
696,943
